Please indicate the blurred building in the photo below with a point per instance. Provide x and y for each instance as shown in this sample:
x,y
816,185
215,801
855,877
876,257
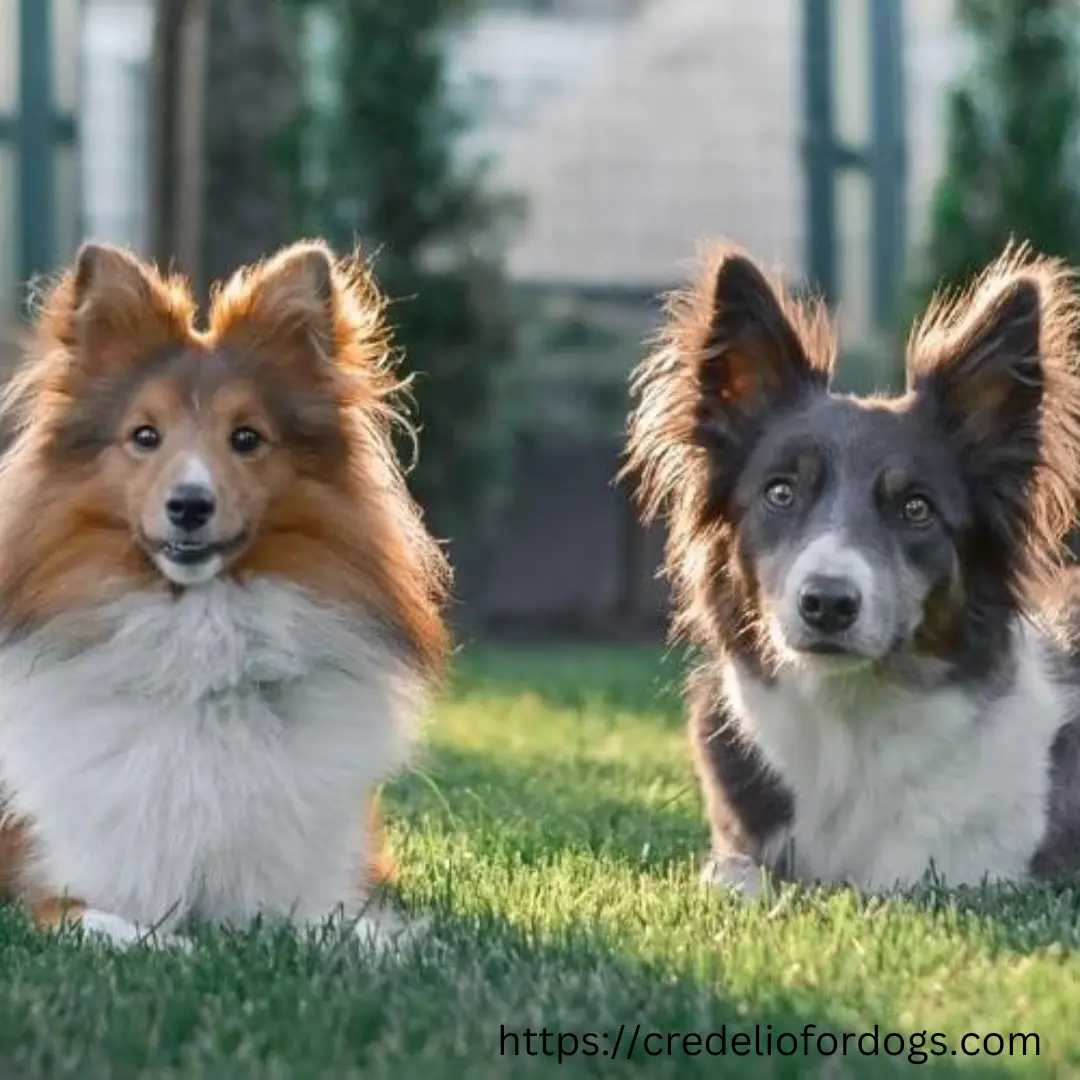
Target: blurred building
x,y
635,134
633,129
632,134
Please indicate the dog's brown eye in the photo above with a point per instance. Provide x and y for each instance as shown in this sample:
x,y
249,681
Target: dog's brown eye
x,y
146,437
780,494
245,440
917,510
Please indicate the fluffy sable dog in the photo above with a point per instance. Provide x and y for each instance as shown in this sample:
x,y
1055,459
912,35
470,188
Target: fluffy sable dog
x,y
220,611
886,692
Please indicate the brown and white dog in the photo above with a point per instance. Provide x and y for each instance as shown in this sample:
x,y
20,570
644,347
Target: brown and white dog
x,y
886,692
220,611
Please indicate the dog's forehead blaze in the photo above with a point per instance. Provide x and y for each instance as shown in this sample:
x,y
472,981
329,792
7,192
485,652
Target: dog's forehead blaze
x,y
156,396
201,390
851,437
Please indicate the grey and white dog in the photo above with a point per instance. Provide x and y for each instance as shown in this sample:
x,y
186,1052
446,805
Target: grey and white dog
x,y
886,689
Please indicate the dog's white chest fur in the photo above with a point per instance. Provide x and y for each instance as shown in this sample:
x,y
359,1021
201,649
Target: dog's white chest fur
x,y
891,784
209,760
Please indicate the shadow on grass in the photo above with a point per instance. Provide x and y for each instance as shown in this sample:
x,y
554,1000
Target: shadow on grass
x,y
257,1004
575,984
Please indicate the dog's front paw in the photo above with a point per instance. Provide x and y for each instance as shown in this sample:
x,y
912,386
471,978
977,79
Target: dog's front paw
x,y
387,931
737,872
113,928
121,933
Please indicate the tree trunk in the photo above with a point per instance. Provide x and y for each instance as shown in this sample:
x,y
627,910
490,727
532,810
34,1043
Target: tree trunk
x,y
252,94
223,86
177,75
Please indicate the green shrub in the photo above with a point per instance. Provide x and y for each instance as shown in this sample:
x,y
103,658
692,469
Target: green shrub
x,y
1013,137
374,160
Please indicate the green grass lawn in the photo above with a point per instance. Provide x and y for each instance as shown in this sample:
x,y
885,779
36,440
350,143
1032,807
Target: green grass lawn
x,y
551,831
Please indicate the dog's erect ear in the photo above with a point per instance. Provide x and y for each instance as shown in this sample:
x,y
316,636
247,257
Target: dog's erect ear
x,y
984,367
287,302
998,366
110,309
733,347
750,356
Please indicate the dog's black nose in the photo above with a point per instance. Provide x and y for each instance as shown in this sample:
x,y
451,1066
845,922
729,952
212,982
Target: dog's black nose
x,y
829,604
190,506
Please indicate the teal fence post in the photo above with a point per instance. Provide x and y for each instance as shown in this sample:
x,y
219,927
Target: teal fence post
x,y
888,159
35,136
819,149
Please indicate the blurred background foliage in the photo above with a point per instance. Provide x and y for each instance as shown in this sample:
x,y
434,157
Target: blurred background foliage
x,y
1013,140
369,159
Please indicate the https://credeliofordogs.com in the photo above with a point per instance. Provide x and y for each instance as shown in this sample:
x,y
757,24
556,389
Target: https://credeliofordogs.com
x,y
628,1043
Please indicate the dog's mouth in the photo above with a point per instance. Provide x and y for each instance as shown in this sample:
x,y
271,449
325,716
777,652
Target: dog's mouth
x,y
829,656
828,660
193,552
828,648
